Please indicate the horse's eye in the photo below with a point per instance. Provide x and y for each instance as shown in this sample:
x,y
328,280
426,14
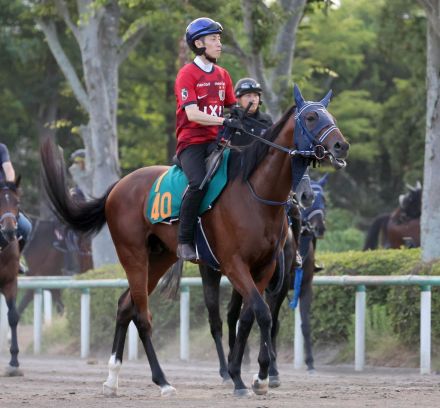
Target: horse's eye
x,y
310,118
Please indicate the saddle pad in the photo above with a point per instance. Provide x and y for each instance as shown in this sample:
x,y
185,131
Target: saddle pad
x,y
165,197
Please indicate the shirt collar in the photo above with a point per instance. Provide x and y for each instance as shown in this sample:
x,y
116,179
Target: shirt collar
x,y
204,67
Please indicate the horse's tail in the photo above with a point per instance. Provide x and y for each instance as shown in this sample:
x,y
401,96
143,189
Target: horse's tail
x,y
87,217
372,239
170,283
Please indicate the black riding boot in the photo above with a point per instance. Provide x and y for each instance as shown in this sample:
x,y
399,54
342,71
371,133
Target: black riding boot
x,y
188,219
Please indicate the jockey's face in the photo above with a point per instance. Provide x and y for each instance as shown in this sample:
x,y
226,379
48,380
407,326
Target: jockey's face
x,y
212,43
249,97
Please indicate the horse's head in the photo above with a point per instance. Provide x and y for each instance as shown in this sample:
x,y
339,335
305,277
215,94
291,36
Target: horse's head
x,y
411,202
313,218
9,206
304,191
315,126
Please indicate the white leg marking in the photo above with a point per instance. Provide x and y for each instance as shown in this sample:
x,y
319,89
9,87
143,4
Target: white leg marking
x,y
167,391
110,386
259,386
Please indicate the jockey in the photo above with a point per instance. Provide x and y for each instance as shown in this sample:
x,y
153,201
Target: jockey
x,y
7,174
248,90
202,91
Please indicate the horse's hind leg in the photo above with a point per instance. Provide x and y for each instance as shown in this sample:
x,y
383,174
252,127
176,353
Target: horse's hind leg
x,y
123,318
211,292
143,274
56,298
304,308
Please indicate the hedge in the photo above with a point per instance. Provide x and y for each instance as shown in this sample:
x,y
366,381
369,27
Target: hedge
x,y
332,311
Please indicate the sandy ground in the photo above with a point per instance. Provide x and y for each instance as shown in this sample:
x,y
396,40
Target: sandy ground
x,y
52,381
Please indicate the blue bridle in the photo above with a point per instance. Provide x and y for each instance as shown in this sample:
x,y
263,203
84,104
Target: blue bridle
x,y
305,139
306,146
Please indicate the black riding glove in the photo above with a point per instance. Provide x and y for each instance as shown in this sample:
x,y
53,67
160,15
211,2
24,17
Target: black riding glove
x,y
232,123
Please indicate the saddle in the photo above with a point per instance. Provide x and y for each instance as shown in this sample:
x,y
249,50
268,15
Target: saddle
x,y
165,196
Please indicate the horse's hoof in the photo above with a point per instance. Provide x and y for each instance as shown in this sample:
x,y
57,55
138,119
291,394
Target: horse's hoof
x,y
167,391
242,393
259,386
274,381
109,391
311,371
13,372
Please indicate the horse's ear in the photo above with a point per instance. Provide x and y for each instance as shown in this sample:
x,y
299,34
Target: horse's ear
x,y
418,185
299,100
323,180
410,187
17,181
326,100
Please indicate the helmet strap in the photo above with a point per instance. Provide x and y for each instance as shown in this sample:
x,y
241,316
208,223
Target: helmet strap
x,y
199,51
210,59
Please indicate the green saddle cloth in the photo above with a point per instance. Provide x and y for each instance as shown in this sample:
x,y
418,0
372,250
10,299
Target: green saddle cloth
x,y
167,191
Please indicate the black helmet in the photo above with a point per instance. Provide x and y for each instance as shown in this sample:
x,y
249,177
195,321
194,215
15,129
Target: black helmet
x,y
199,28
247,85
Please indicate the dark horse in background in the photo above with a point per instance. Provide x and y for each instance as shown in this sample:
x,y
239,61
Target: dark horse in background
x,y
244,231
9,263
54,250
402,226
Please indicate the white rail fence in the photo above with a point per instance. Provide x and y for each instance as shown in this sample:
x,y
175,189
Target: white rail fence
x,y
42,296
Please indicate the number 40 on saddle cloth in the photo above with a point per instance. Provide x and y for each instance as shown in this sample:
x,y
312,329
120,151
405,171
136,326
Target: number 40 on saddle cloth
x,y
166,194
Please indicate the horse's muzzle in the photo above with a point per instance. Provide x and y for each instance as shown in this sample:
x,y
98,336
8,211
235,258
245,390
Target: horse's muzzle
x,y
9,234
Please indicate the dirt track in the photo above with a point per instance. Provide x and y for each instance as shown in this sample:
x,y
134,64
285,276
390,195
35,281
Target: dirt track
x,y
71,382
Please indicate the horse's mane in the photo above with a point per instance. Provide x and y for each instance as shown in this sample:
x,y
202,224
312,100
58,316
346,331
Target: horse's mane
x,y
246,160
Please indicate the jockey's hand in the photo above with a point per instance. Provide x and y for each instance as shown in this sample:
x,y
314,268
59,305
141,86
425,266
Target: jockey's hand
x,y
232,123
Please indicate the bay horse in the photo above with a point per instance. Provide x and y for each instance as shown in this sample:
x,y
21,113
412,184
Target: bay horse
x,y
312,228
211,285
46,254
9,263
402,226
244,229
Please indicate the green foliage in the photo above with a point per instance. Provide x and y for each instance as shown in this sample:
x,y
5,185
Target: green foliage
x,y
401,304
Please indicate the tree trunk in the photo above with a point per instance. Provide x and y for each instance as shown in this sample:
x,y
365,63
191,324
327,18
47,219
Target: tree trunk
x,y
275,79
430,226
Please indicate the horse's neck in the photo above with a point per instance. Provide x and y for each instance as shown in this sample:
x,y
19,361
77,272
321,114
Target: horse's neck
x,y
272,179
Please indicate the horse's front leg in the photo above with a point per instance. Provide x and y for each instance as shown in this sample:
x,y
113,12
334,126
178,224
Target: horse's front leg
x,y
254,306
10,292
211,293
275,301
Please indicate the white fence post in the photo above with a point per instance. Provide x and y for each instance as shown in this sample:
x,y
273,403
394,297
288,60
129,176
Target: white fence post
x,y
85,323
425,330
132,341
47,301
359,359
38,320
298,342
4,325
184,323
